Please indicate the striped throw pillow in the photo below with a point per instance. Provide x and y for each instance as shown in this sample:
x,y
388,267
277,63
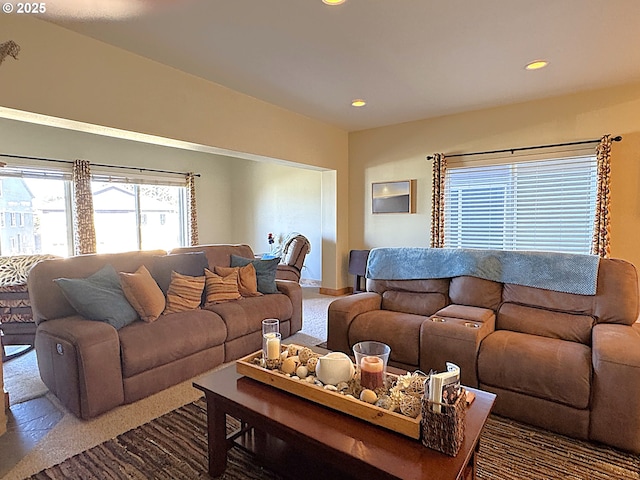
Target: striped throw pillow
x,y
184,293
221,289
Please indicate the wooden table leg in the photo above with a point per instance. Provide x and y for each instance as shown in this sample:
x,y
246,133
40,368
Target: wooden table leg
x,y
217,432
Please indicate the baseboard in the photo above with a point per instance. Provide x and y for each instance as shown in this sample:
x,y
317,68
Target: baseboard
x,y
336,292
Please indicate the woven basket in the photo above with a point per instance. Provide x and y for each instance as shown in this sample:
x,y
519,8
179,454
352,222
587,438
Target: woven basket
x,y
444,431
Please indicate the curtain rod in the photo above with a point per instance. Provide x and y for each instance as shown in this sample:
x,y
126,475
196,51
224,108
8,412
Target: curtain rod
x,y
97,164
519,149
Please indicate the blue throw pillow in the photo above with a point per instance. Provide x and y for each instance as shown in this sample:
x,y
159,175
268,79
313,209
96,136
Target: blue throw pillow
x,y
265,271
99,297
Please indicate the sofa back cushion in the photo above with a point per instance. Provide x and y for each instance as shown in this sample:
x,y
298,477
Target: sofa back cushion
x,y
574,327
48,301
615,301
438,285
192,264
413,302
475,292
218,255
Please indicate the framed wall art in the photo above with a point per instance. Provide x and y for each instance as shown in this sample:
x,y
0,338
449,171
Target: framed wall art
x,y
393,197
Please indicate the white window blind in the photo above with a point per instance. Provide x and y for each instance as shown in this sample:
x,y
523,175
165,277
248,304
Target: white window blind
x,y
546,205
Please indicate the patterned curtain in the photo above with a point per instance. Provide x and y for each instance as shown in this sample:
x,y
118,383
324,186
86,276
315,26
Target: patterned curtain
x,y
83,227
193,212
601,231
437,201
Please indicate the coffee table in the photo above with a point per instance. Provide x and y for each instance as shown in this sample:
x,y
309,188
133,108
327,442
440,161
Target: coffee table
x,y
301,439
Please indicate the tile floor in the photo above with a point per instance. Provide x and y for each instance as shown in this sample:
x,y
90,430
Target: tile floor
x,y
27,423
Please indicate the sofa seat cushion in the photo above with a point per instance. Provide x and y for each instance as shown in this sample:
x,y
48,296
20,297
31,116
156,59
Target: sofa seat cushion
x,y
245,316
144,346
542,367
401,331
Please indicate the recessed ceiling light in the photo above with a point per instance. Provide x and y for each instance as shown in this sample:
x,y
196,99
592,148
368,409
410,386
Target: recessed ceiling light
x,y
358,102
538,64
333,2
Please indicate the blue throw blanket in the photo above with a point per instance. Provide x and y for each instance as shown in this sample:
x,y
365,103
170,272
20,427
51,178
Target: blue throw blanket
x,y
561,272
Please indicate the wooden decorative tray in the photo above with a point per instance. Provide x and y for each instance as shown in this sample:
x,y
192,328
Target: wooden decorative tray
x,y
391,420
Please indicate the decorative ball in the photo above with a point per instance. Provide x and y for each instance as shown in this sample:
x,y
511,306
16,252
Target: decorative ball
x,y
311,364
302,371
368,396
416,386
410,406
292,350
290,364
305,354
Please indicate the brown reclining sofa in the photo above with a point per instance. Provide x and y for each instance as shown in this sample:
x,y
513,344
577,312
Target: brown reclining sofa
x,y
562,361
92,367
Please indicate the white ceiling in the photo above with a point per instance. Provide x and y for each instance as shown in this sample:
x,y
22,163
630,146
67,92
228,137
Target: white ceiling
x,y
410,59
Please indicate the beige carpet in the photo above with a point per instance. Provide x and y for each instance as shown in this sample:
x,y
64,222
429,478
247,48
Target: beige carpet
x,y
71,435
22,380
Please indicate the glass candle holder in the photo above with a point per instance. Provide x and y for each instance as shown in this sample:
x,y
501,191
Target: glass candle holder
x,y
371,359
270,325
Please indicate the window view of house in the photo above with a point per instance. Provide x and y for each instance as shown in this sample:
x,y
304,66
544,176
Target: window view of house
x,y
36,216
137,217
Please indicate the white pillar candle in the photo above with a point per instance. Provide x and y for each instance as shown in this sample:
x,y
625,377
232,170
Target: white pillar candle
x,y
273,346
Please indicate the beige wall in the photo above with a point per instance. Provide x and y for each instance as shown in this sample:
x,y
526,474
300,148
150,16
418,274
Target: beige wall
x,y
239,201
66,75
278,199
398,152
213,187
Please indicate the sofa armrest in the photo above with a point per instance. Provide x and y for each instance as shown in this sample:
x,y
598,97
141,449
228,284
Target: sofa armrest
x,y
342,311
293,290
79,361
615,410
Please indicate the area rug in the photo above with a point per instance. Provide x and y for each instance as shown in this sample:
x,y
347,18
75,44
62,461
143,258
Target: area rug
x,y
174,447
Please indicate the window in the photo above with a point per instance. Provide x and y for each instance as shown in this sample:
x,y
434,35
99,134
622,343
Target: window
x,y
42,224
546,205
127,212
138,216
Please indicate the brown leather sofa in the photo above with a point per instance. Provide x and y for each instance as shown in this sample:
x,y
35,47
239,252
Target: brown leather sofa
x,y
92,367
565,362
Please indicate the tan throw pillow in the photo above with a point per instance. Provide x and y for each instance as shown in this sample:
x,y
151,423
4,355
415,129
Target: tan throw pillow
x,y
247,279
221,289
143,293
184,293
